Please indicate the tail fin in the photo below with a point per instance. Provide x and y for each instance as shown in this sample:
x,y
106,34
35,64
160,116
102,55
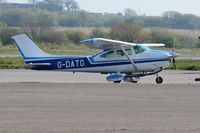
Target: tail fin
x,y
28,48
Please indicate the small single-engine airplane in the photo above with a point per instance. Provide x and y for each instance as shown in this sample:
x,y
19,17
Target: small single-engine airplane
x,y
122,60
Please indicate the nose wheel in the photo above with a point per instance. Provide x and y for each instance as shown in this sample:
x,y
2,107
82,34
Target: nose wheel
x,y
159,80
117,82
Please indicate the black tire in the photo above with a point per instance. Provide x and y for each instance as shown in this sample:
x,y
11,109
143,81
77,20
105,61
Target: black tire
x,y
197,79
117,82
159,80
134,82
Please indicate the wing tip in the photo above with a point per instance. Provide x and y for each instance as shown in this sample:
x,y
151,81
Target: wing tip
x,y
18,36
91,40
87,41
153,44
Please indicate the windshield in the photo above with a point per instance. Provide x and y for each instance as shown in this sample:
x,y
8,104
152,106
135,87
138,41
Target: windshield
x,y
140,48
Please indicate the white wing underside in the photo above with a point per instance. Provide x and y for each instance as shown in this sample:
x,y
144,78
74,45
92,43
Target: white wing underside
x,y
105,44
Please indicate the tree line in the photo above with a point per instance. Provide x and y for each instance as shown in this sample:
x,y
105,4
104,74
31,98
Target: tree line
x,y
68,13
124,32
39,20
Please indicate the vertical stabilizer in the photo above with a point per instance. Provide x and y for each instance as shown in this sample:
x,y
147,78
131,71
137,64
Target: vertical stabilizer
x,y
28,48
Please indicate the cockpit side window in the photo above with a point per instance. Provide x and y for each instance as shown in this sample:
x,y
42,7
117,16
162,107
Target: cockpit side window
x,y
120,53
129,51
139,49
108,54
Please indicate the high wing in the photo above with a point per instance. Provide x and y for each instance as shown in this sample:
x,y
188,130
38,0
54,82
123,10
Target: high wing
x,y
105,44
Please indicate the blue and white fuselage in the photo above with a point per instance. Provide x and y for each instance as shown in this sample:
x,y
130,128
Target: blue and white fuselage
x,y
141,59
90,64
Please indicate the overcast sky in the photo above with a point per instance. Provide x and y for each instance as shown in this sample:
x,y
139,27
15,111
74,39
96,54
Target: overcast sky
x,y
148,7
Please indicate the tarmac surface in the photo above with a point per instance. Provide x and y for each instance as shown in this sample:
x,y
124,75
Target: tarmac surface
x,y
169,77
59,102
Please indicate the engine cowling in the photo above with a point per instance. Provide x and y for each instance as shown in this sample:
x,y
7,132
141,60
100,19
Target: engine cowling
x,y
115,77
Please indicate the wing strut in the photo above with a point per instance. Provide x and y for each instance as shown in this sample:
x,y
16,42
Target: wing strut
x,y
129,58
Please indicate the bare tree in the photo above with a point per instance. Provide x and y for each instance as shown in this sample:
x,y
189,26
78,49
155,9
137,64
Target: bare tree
x,y
34,2
54,5
130,12
37,23
70,5
129,33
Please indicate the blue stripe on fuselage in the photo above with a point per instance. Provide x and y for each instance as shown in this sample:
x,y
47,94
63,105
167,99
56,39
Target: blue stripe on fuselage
x,y
83,62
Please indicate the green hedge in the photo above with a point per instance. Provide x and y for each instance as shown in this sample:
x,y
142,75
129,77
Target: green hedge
x,y
11,63
186,65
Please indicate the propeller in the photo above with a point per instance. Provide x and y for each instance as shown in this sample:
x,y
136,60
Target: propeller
x,y
174,55
174,63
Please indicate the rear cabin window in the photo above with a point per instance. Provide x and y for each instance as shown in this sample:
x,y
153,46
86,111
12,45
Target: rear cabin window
x,y
111,54
121,53
108,54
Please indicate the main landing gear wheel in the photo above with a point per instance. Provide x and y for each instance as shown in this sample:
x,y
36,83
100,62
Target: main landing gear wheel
x,y
159,80
135,82
117,82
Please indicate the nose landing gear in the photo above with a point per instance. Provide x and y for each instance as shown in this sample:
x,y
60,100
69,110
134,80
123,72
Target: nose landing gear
x,y
117,82
197,79
159,80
